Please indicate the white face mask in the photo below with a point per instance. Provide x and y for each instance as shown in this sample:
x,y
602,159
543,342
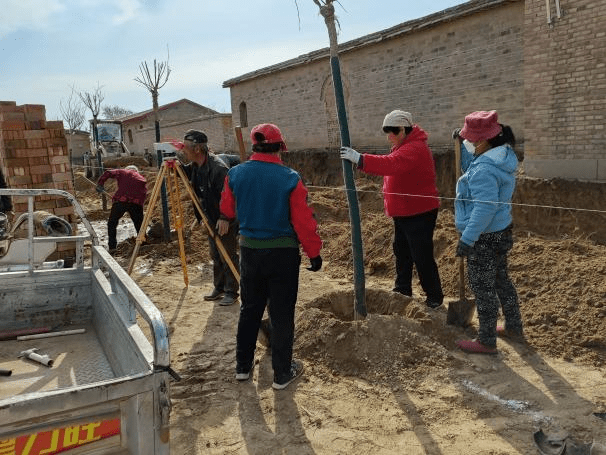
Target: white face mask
x,y
469,146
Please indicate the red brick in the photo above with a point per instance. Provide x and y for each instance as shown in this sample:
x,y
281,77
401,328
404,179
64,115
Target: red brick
x,y
21,180
34,112
41,169
34,143
7,106
55,142
36,152
37,160
10,115
62,177
55,125
35,125
59,159
12,125
36,134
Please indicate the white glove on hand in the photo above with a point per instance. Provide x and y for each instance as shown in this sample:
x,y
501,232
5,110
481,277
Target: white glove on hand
x,y
347,153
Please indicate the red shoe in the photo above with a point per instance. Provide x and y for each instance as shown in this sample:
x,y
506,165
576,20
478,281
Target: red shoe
x,y
475,347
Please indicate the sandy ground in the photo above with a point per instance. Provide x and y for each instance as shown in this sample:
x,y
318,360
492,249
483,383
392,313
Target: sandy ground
x,y
393,383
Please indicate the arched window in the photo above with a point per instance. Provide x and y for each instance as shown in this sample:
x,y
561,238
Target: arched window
x,y
243,115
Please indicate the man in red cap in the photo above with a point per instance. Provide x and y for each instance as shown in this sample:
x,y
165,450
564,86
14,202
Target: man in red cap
x,y
270,203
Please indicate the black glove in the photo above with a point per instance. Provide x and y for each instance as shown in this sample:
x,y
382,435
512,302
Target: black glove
x,y
463,249
456,134
316,264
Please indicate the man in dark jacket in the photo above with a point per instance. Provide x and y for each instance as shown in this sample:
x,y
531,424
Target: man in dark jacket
x,y
207,172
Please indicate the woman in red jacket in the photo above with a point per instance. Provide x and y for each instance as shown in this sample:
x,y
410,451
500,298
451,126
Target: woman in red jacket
x,y
410,198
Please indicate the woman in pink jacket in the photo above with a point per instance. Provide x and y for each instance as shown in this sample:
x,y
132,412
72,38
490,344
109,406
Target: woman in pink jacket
x,y
410,198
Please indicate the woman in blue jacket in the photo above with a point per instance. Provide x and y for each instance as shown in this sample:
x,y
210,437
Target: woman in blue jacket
x,y
483,218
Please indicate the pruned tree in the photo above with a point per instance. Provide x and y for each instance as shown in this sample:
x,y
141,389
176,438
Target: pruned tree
x,y
327,10
153,82
111,112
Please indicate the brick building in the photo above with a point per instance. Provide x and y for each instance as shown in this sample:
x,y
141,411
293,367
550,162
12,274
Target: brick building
x,y
546,80
176,118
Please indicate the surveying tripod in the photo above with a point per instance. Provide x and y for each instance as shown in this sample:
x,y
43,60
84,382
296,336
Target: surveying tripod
x,y
170,171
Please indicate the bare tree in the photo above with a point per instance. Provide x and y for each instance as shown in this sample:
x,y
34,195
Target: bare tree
x,y
153,82
112,112
72,111
92,100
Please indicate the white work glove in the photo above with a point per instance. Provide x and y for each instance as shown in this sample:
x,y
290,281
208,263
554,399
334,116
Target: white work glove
x,y
347,153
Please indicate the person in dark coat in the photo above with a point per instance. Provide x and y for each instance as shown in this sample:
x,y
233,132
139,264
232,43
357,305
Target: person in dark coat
x,y
206,173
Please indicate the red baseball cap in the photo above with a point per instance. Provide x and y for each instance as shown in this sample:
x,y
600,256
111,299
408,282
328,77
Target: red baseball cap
x,y
271,134
481,125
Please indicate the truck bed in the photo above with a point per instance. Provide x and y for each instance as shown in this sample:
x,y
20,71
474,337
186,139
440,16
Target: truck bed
x,y
78,360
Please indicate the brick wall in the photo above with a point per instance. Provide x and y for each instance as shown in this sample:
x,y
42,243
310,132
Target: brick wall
x,y
33,154
439,70
565,89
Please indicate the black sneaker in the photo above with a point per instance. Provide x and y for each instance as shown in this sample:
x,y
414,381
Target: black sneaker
x,y
243,374
228,299
296,368
433,304
215,295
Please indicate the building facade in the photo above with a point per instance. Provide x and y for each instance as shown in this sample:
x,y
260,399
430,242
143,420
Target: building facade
x,y
543,79
175,118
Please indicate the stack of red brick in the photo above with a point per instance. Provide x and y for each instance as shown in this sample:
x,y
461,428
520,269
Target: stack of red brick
x,y
34,154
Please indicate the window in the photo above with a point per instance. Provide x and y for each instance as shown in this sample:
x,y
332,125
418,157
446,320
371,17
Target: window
x,y
130,136
243,115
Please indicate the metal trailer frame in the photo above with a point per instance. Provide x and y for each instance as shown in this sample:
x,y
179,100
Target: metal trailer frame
x,y
139,391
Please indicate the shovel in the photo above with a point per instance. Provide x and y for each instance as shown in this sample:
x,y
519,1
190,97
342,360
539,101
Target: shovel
x,y
460,312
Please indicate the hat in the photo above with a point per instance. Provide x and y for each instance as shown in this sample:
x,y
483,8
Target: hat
x,y
398,118
271,135
197,137
481,125
132,167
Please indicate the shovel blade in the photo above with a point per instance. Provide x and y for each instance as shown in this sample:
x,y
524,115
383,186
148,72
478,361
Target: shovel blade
x,y
460,313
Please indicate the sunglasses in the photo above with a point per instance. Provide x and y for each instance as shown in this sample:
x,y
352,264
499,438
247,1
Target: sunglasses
x,y
391,129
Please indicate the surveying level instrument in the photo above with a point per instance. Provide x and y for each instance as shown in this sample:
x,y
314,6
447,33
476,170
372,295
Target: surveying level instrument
x,y
171,172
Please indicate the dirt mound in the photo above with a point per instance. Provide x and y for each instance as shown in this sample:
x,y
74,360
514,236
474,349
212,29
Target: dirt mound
x,y
394,344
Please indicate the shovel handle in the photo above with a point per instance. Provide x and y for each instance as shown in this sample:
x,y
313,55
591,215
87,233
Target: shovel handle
x,y
457,147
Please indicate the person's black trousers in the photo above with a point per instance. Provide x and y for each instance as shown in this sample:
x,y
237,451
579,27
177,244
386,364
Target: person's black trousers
x,y
223,278
413,245
118,210
268,276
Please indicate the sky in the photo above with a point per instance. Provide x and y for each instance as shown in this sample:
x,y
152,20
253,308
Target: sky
x,y
49,46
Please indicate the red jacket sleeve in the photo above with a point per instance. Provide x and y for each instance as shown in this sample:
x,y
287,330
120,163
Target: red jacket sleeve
x,y
303,221
228,202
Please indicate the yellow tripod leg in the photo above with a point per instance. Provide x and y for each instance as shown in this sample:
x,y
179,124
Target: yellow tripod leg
x,y
177,212
148,214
